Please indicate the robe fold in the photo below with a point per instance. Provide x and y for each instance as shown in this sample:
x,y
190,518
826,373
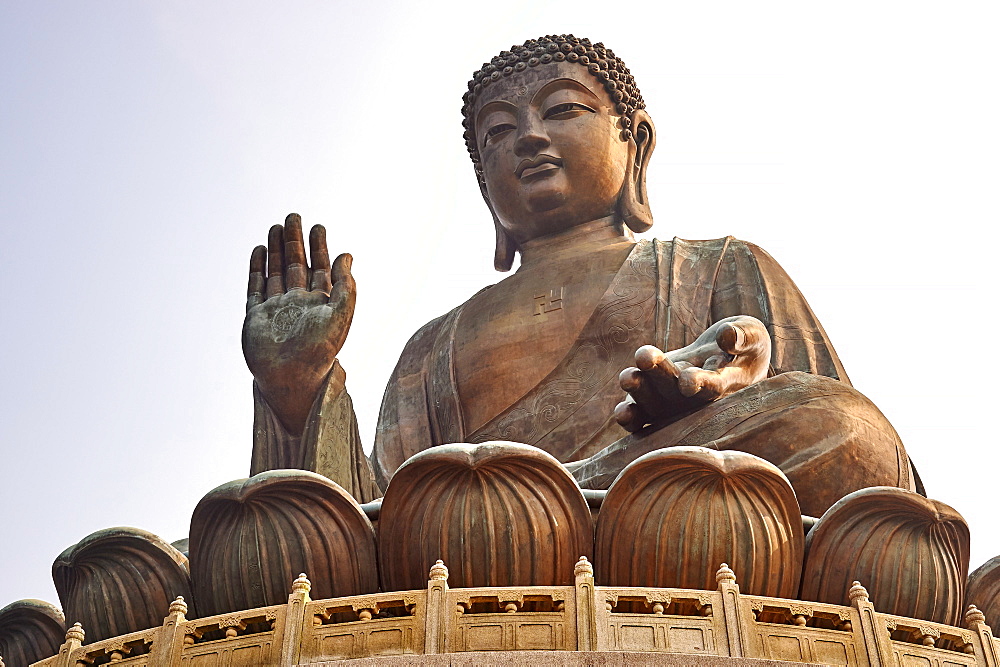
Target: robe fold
x,y
805,418
329,445
666,293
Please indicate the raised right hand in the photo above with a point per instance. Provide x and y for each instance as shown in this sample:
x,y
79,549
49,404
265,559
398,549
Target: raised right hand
x,y
297,318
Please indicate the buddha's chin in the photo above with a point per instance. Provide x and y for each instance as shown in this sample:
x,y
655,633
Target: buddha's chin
x,y
544,199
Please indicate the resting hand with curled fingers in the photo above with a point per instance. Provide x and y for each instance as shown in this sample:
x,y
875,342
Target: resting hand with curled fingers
x,y
297,320
730,355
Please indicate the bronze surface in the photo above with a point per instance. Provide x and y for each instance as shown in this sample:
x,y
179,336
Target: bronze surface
x,y
30,630
250,537
984,590
119,580
912,552
673,514
496,512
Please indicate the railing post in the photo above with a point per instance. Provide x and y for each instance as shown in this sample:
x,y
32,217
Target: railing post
x,y
587,628
876,636
737,635
983,644
170,638
295,613
74,640
436,616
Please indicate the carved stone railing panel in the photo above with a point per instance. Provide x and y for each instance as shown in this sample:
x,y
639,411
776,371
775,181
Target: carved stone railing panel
x,y
135,648
673,515
811,632
30,630
582,617
250,637
119,580
250,537
364,626
496,513
661,620
512,619
912,552
934,641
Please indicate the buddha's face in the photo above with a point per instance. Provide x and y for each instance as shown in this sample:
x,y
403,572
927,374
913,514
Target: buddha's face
x,y
551,148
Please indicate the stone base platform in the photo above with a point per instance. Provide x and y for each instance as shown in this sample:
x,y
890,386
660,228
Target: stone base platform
x,y
554,659
581,624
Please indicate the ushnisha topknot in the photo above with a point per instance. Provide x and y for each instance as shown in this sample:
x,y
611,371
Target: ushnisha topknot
x,y
600,61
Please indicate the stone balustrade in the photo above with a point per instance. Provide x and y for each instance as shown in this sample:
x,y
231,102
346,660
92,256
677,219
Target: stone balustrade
x,y
584,617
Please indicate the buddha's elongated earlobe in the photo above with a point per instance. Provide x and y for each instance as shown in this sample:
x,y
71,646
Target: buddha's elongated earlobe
x,y
503,257
633,204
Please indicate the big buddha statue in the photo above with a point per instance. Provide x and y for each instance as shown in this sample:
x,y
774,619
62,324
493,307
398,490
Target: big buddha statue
x,y
598,348
686,383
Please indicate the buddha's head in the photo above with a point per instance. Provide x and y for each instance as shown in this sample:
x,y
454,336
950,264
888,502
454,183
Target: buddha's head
x,y
559,137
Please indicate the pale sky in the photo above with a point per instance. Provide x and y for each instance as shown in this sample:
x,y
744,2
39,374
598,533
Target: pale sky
x,y
146,147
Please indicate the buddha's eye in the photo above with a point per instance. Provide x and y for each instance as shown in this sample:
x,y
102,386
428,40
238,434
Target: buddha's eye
x,y
566,111
497,130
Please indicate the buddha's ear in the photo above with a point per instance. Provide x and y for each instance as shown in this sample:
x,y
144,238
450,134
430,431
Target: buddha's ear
x,y
503,257
633,204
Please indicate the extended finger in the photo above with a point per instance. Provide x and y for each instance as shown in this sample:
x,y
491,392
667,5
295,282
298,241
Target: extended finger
x,y
255,286
295,253
745,334
320,258
709,385
630,416
640,389
275,262
660,372
343,282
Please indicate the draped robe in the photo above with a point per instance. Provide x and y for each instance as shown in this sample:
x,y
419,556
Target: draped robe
x,y
805,418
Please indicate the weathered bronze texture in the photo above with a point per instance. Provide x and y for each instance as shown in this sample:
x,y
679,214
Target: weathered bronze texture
x,y
119,580
498,513
826,437
913,553
561,141
250,537
30,630
983,590
690,379
298,315
674,513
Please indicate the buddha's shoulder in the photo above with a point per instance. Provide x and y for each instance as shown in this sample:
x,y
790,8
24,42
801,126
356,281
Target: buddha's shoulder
x,y
420,345
720,245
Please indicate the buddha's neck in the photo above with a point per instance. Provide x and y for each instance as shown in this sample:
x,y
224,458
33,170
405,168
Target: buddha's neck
x,y
603,231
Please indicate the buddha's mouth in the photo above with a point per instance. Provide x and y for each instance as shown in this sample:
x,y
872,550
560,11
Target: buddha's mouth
x,y
537,165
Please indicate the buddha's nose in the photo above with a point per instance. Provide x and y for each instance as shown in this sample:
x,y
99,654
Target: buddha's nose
x,y
531,138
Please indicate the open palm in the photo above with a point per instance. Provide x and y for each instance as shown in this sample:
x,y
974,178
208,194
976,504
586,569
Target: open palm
x,y
298,316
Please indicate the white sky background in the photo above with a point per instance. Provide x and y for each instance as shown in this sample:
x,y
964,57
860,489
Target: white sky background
x,y
145,148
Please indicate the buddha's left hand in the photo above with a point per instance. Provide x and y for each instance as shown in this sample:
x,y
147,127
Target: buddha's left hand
x,y
730,355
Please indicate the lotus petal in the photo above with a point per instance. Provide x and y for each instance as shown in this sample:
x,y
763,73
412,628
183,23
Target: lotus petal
x,y
983,590
497,513
910,552
30,630
672,516
120,580
250,538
